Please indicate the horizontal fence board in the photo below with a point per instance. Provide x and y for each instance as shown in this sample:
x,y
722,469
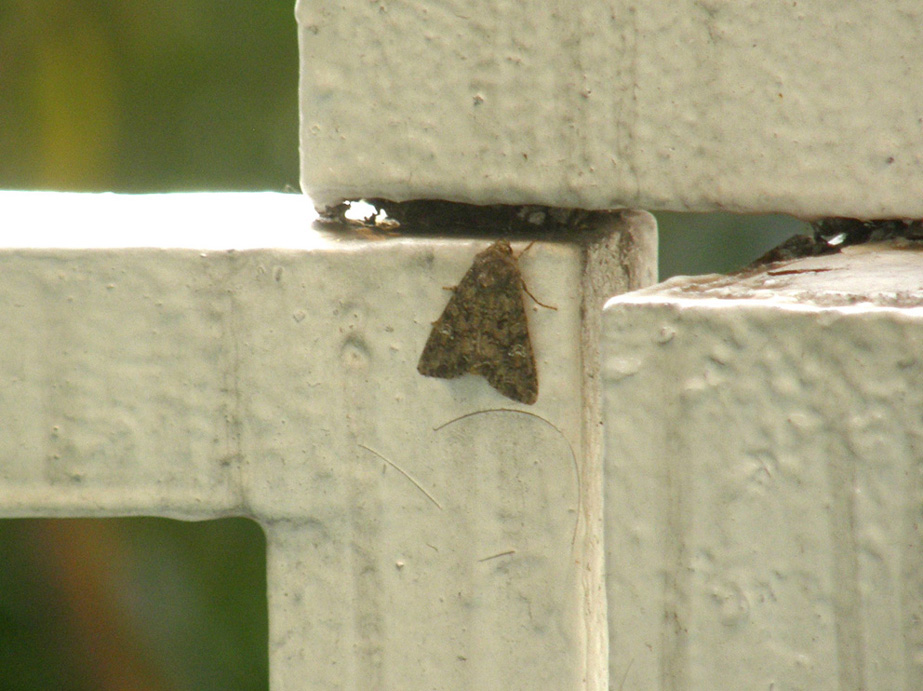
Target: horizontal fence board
x,y
809,108
421,532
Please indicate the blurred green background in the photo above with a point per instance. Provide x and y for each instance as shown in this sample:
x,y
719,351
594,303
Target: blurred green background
x,y
153,96
132,604
148,95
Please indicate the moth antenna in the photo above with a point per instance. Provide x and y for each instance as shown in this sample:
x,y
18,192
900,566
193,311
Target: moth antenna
x,y
534,299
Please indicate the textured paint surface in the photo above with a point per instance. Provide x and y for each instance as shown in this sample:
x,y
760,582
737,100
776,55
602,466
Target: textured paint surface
x,y
810,108
764,478
282,385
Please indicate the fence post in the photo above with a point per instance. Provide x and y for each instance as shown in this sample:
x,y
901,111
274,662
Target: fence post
x,y
807,109
763,484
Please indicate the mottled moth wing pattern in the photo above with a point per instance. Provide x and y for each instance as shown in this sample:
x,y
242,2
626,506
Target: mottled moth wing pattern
x,y
483,330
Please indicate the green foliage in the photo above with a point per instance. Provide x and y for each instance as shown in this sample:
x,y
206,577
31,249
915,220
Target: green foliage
x,y
139,96
133,603
693,244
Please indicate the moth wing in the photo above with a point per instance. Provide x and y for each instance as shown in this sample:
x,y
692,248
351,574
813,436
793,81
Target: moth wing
x,y
502,352
483,329
509,362
444,353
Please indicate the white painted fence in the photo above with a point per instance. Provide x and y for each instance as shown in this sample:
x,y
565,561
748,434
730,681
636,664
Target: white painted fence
x,y
764,494
761,519
809,107
761,494
420,532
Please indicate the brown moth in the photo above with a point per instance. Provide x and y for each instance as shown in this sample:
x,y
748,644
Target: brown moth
x,y
483,330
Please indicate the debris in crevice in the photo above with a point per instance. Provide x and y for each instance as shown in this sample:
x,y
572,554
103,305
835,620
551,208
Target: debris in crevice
x,y
439,217
840,232
832,234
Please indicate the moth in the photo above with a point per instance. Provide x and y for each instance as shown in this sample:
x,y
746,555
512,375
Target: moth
x,y
483,329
